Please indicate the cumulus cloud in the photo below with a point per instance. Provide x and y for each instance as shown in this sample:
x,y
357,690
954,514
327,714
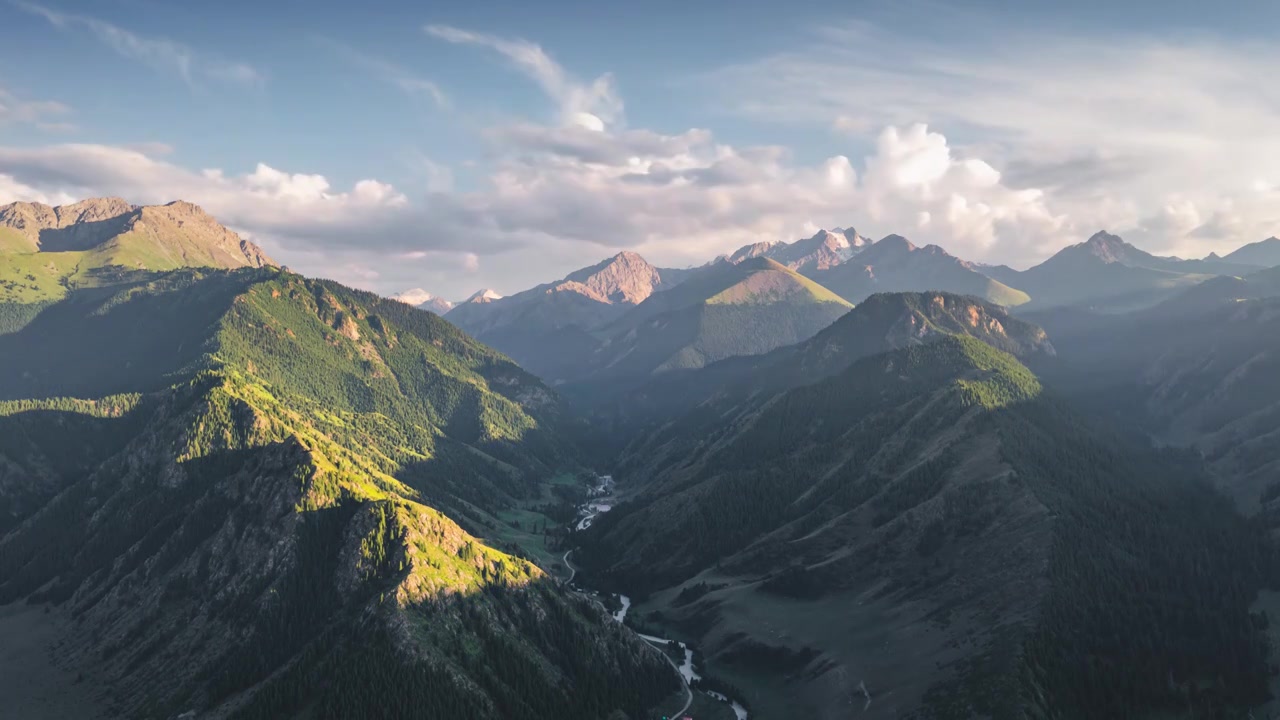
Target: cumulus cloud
x,y
161,54
592,105
11,190
683,198
559,195
1115,128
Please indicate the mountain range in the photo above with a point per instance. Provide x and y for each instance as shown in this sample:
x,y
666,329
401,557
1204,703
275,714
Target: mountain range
x,y
849,477
899,511
569,331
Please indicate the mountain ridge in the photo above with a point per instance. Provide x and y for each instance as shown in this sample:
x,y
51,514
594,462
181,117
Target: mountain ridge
x,y
895,264
932,486
104,240
289,509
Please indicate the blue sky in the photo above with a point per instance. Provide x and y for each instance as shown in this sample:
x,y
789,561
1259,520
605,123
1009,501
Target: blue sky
x,y
455,145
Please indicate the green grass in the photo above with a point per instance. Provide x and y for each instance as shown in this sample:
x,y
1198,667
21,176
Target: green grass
x,y
36,277
1001,294
12,241
790,284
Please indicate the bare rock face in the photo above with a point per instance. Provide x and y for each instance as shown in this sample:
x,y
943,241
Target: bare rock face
x,y
824,250
624,278
178,234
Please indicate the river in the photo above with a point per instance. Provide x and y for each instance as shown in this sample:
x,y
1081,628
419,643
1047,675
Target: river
x,y
601,500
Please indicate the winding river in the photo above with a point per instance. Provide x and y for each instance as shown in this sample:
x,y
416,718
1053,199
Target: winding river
x,y
601,501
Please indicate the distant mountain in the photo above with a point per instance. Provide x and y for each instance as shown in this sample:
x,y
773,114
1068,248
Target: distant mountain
x,y
1109,273
930,502
278,497
1264,253
583,299
826,249
424,300
552,329
747,308
1196,370
483,296
883,322
894,264
46,250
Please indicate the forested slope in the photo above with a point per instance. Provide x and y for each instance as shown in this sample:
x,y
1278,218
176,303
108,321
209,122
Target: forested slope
x,y
929,523
250,511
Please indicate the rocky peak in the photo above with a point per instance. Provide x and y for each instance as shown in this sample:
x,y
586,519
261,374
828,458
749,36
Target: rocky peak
x,y
852,237
1107,247
823,250
895,242
625,278
75,226
180,231
746,252
92,210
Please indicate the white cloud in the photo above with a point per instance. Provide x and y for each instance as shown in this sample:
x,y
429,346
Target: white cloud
x,y
406,81
13,191
556,196
591,105
42,114
1111,128
682,198
160,53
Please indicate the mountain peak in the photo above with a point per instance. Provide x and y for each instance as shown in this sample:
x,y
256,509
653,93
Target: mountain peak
x,y
827,236
1262,254
133,237
753,250
30,218
851,234
483,296
895,241
415,296
820,251
423,300
1108,248
625,278
1102,237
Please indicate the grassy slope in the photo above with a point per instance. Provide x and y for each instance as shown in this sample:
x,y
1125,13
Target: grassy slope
x,y
1001,294
744,309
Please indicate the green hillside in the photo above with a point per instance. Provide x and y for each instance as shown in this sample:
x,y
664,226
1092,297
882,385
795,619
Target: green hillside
x,y
730,310
270,501
932,503
883,322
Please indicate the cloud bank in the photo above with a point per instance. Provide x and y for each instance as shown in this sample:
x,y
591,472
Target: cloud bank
x,y
1059,139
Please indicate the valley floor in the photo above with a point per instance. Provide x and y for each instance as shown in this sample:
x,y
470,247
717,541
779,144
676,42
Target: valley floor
x,y
33,687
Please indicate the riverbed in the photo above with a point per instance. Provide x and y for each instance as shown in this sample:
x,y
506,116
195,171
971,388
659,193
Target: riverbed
x,y
601,500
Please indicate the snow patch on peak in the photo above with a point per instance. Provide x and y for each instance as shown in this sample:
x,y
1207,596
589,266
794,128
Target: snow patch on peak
x,y
416,296
485,295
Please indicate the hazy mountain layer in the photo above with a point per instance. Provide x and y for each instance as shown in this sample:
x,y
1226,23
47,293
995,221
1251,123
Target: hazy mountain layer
x,y
926,530
894,264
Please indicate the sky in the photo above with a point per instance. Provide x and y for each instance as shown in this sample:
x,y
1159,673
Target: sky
x,y
458,145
